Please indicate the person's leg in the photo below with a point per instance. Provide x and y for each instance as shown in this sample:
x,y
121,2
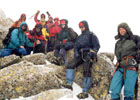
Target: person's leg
x,y
87,79
5,52
70,72
117,84
29,49
129,84
20,52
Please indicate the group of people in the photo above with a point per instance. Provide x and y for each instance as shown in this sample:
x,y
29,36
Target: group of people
x,y
55,35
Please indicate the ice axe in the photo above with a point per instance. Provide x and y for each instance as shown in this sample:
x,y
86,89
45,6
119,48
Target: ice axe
x,y
31,16
49,15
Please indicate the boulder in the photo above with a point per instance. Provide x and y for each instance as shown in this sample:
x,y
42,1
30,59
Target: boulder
x,y
8,60
37,59
26,79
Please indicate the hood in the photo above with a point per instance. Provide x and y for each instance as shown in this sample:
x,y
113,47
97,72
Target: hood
x,y
126,27
21,17
85,24
22,23
64,21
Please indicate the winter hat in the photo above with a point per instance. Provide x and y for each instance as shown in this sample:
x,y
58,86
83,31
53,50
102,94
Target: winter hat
x,y
43,15
38,25
81,24
56,18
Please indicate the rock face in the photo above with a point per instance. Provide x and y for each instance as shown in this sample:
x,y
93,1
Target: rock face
x,y
26,79
5,23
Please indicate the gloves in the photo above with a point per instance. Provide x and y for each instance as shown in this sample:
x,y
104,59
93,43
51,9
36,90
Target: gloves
x,y
38,12
86,49
91,55
76,55
64,41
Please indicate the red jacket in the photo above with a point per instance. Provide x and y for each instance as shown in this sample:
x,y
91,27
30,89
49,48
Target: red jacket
x,y
55,29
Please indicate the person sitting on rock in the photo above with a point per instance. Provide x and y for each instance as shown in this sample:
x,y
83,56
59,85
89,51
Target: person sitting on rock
x,y
64,42
40,42
45,29
125,74
85,51
19,42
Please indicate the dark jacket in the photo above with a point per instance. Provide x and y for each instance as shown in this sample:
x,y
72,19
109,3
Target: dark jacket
x,y
126,45
86,40
64,37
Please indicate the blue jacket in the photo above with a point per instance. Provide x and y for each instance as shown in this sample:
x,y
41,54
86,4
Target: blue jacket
x,y
18,38
86,41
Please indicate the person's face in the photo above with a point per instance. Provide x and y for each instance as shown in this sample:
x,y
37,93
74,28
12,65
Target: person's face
x,y
37,30
122,31
63,25
50,19
23,18
24,27
82,28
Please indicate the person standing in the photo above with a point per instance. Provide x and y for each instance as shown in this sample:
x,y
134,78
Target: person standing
x,y
85,51
125,73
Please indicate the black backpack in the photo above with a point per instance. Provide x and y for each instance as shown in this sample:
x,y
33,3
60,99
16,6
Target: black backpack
x,y
7,38
73,35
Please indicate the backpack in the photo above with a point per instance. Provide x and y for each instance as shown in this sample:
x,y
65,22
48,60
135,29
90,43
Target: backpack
x,y
7,38
73,35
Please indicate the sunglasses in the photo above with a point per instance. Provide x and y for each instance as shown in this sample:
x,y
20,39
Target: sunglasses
x,y
81,26
62,24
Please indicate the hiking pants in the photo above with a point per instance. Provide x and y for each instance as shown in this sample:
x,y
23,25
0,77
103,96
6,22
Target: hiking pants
x,y
118,82
6,52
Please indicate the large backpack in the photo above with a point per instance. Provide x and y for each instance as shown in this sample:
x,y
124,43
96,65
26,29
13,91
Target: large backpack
x,y
73,35
7,38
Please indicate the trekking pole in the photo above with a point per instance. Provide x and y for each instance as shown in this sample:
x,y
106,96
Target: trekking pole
x,y
31,16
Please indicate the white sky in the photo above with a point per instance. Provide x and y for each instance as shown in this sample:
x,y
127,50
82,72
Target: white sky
x,y
103,16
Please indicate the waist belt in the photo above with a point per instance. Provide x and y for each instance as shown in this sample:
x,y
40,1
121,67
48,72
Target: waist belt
x,y
128,68
127,58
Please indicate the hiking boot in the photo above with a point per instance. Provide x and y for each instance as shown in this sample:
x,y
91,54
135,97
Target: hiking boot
x,y
83,95
67,85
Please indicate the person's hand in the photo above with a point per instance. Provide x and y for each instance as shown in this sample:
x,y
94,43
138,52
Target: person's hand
x,y
38,12
64,41
21,46
91,55
76,55
38,42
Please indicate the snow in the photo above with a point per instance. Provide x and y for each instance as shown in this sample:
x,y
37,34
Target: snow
x,y
76,90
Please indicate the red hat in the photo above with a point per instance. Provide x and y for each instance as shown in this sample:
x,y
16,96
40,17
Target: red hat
x,y
56,18
81,24
62,22
23,15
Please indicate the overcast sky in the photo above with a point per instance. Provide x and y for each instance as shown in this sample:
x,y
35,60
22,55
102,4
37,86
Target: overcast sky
x,y
103,16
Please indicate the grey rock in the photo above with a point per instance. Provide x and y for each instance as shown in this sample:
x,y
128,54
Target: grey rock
x,y
37,59
26,79
9,60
